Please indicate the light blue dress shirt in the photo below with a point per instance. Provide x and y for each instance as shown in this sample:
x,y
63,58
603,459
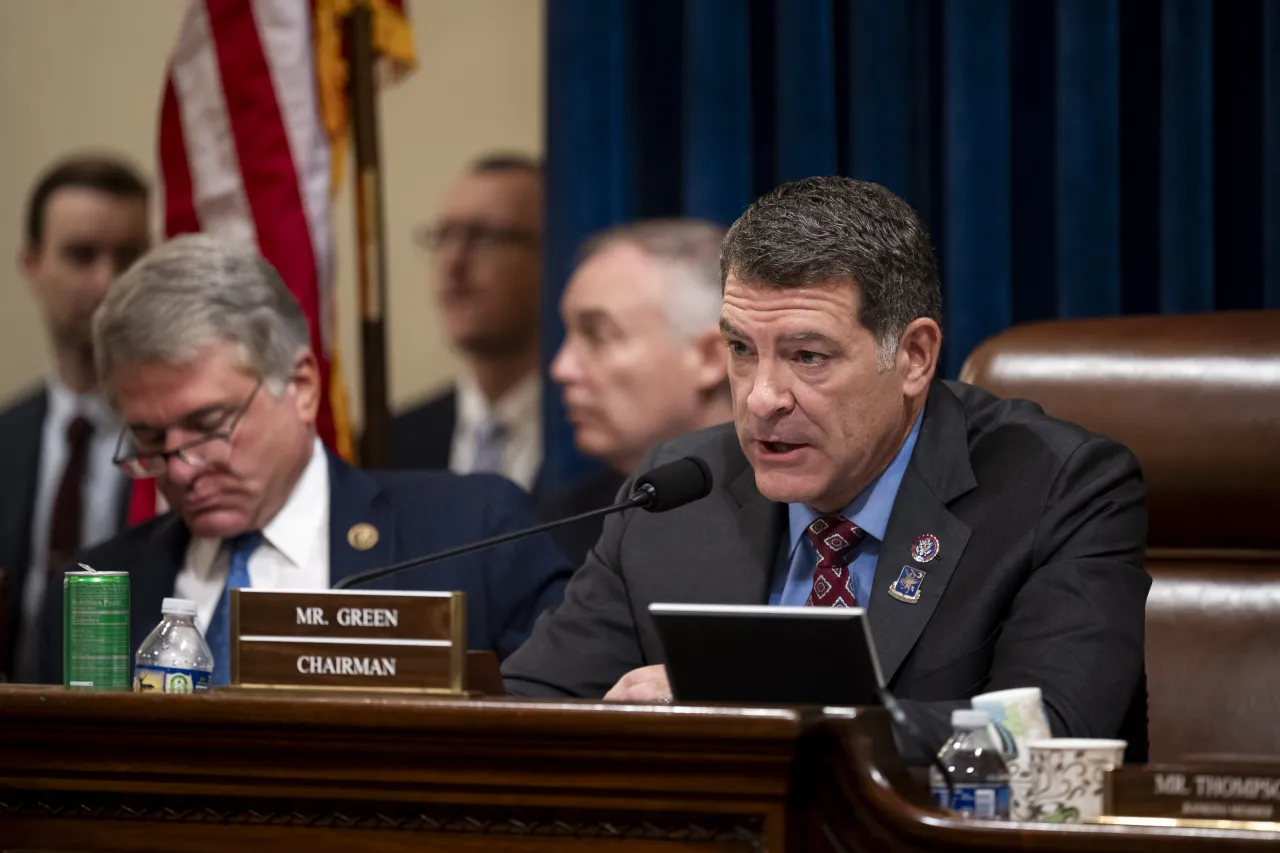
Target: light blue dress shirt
x,y
793,576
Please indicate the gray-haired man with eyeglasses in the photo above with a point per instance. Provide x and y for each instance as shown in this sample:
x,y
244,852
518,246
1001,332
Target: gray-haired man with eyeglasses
x,y
206,356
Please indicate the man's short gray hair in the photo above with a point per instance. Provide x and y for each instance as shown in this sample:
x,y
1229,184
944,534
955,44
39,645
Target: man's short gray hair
x,y
690,249
194,291
822,229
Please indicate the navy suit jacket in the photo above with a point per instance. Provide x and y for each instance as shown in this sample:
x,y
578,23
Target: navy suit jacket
x,y
415,513
422,437
22,437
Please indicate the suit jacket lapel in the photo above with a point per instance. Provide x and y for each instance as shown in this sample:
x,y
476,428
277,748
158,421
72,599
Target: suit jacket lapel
x,y
760,526
154,571
358,511
939,473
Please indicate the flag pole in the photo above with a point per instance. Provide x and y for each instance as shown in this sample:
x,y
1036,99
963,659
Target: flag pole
x,y
371,243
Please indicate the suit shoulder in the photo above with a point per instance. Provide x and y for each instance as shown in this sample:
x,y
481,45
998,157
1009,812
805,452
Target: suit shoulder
x,y
717,446
27,408
1023,424
422,436
593,492
713,440
441,406
132,540
458,491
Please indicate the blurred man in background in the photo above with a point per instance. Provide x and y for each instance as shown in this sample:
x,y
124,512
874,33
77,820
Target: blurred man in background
x,y
642,360
486,247
86,222
207,357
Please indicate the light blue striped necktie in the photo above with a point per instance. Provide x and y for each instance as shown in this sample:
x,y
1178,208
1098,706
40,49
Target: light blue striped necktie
x,y
219,634
490,436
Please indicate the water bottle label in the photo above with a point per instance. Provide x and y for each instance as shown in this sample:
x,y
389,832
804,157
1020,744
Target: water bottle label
x,y
981,801
169,679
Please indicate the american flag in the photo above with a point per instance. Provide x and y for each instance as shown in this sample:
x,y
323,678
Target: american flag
x,y
252,139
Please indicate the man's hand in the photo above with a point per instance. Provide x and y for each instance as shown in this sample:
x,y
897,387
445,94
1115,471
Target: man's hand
x,y
646,684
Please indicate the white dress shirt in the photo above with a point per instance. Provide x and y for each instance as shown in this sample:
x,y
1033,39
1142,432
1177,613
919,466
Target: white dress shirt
x,y
519,411
294,553
104,491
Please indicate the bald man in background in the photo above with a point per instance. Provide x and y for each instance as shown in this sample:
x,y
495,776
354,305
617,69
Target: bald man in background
x,y
643,360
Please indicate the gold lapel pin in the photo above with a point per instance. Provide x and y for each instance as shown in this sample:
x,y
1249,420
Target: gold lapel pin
x,y
362,536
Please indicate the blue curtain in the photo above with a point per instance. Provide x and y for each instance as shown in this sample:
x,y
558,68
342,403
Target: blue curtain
x,y
1072,158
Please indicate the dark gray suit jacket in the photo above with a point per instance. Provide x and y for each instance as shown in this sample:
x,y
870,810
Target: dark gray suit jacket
x,y
22,439
1039,580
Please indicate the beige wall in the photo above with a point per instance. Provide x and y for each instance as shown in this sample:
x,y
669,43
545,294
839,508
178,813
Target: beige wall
x,y
80,74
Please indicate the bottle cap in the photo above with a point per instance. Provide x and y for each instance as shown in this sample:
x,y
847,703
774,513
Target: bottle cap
x,y
969,718
178,607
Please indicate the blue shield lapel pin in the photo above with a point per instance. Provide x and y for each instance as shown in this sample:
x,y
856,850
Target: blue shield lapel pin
x,y
907,586
925,548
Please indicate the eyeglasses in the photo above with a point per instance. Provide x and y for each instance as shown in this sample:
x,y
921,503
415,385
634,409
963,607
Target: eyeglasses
x,y
211,448
474,234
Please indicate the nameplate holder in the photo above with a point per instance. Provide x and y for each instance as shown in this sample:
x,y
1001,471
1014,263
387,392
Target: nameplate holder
x,y
401,642
1227,790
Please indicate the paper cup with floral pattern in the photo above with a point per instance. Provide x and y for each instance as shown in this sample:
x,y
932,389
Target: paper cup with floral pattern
x,y
1069,775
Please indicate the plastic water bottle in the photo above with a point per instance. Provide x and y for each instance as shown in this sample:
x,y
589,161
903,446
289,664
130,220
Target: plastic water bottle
x,y
174,658
978,772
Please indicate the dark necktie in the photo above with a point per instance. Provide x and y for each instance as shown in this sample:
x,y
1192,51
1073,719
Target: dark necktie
x,y
218,636
490,436
67,518
835,538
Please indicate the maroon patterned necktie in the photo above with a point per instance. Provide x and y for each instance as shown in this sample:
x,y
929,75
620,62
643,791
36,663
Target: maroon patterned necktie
x,y
835,539
68,503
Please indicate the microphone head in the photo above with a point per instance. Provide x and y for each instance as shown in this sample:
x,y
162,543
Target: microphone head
x,y
673,484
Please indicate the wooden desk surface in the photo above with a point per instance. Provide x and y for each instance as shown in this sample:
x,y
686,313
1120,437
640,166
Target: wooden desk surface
x,y
275,770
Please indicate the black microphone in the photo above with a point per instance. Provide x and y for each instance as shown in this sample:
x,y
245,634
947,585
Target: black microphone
x,y
665,487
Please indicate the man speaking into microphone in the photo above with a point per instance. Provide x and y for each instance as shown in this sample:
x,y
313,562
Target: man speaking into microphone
x,y
991,545
206,355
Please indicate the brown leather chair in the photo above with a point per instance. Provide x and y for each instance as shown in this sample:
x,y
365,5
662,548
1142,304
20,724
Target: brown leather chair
x,y
1197,399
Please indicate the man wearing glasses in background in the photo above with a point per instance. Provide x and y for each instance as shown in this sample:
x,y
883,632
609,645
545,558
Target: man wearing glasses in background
x,y
206,356
487,262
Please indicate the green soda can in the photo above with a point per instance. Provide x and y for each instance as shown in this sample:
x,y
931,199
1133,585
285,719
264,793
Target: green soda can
x,y
95,631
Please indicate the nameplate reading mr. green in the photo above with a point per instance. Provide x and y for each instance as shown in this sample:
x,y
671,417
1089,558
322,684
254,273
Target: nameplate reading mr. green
x,y
352,617
349,639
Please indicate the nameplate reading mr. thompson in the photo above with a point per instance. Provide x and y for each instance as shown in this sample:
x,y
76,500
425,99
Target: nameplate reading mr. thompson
x,y
1243,790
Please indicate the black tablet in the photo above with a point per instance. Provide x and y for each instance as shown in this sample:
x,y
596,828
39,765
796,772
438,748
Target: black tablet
x,y
760,655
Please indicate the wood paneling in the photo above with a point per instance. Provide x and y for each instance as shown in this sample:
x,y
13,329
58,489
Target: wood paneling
x,y
272,771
